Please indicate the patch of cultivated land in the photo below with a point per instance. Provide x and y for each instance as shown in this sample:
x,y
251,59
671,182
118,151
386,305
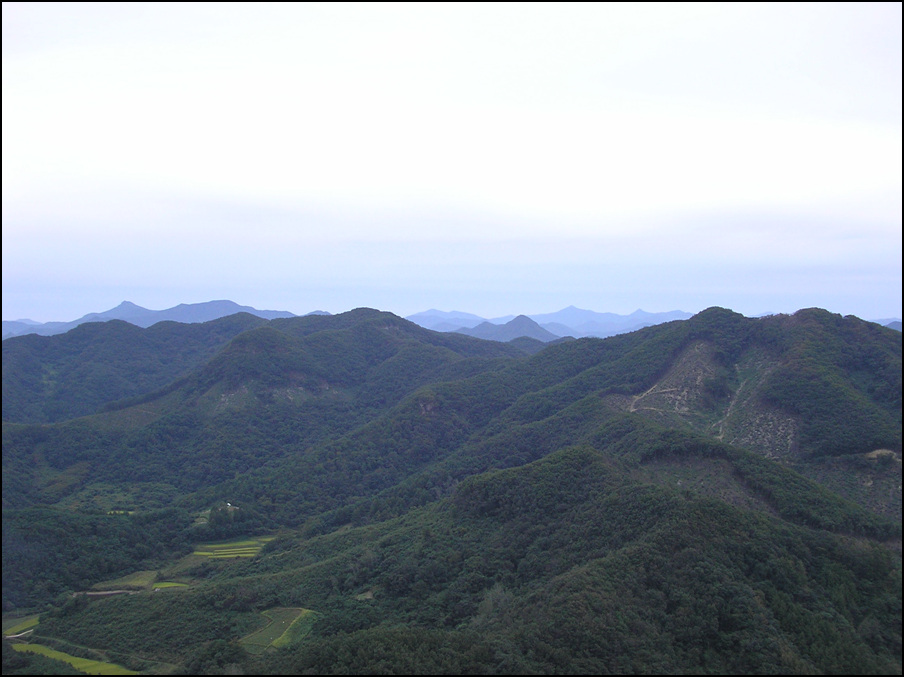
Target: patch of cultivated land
x,y
137,580
86,665
287,627
235,548
150,580
13,626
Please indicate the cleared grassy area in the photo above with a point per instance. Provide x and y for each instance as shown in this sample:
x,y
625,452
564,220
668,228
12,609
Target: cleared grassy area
x,y
84,664
297,630
169,584
14,626
136,580
287,627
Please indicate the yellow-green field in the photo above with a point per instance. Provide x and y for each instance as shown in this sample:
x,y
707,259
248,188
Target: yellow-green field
x,y
287,627
14,626
83,664
236,548
139,580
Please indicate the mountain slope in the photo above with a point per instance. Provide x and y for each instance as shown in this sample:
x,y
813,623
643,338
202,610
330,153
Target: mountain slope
x,y
567,564
47,379
268,392
713,494
718,374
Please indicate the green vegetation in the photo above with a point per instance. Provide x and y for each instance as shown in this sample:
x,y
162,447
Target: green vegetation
x,y
74,551
20,663
234,548
82,664
14,626
53,378
717,495
137,580
287,627
298,629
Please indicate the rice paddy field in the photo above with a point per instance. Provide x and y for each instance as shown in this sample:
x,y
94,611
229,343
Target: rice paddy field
x,y
248,547
287,627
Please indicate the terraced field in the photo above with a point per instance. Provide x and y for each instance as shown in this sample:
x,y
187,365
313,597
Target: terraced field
x,y
235,548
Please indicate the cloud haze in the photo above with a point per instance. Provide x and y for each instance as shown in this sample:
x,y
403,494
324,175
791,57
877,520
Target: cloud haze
x,y
489,158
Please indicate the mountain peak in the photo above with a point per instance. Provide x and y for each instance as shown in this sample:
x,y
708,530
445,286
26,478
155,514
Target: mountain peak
x,y
132,313
517,327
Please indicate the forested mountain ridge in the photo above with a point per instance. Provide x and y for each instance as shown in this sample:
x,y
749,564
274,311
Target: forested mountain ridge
x,y
49,379
54,378
715,494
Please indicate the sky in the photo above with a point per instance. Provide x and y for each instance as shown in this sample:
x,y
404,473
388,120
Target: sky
x,y
489,158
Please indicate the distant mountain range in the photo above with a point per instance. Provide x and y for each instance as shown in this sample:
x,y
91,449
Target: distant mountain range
x,y
548,327
545,327
142,317
516,328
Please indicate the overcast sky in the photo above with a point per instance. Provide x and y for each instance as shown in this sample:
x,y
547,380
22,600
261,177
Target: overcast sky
x,y
495,159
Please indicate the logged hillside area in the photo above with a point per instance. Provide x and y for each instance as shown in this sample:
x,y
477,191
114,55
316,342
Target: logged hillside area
x,y
719,494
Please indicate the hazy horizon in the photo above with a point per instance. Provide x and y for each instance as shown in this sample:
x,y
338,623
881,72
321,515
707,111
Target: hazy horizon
x,y
493,159
492,318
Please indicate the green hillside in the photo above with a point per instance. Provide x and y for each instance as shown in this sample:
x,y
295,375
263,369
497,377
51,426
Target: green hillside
x,y
720,494
53,378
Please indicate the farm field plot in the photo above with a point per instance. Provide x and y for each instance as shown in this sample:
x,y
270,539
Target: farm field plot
x,y
13,626
247,547
287,626
134,581
84,664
